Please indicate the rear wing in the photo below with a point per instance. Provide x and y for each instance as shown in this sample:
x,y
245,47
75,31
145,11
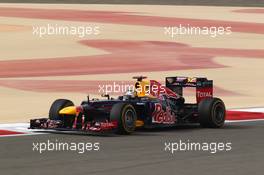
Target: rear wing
x,y
204,87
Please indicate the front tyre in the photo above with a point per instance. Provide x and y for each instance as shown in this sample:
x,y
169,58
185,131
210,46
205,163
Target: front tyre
x,y
56,106
211,113
126,116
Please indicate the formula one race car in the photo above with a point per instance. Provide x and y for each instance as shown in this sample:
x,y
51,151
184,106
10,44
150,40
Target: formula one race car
x,y
150,104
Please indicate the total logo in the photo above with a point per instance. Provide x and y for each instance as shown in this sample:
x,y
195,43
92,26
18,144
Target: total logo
x,y
204,94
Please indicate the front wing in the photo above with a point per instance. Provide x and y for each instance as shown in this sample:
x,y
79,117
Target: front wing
x,y
58,125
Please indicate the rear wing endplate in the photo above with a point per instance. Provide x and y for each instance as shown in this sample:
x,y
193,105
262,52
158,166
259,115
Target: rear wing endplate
x,y
204,87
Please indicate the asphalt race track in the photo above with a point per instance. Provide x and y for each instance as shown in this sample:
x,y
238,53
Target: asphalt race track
x,y
141,153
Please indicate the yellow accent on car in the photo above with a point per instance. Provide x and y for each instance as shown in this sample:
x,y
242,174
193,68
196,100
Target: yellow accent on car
x,y
70,110
139,123
142,88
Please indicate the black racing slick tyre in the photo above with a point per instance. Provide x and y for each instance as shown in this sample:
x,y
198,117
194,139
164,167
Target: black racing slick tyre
x,y
56,106
211,113
126,116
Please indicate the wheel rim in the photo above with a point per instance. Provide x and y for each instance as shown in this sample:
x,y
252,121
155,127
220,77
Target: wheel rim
x,y
129,118
219,114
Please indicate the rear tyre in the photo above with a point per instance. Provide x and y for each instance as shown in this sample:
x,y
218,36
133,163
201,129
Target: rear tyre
x,y
56,106
126,116
211,113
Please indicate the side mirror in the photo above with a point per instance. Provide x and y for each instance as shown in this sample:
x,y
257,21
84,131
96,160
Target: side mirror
x,y
106,95
88,98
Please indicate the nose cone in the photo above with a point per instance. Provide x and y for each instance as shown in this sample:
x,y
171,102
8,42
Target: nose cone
x,y
70,110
